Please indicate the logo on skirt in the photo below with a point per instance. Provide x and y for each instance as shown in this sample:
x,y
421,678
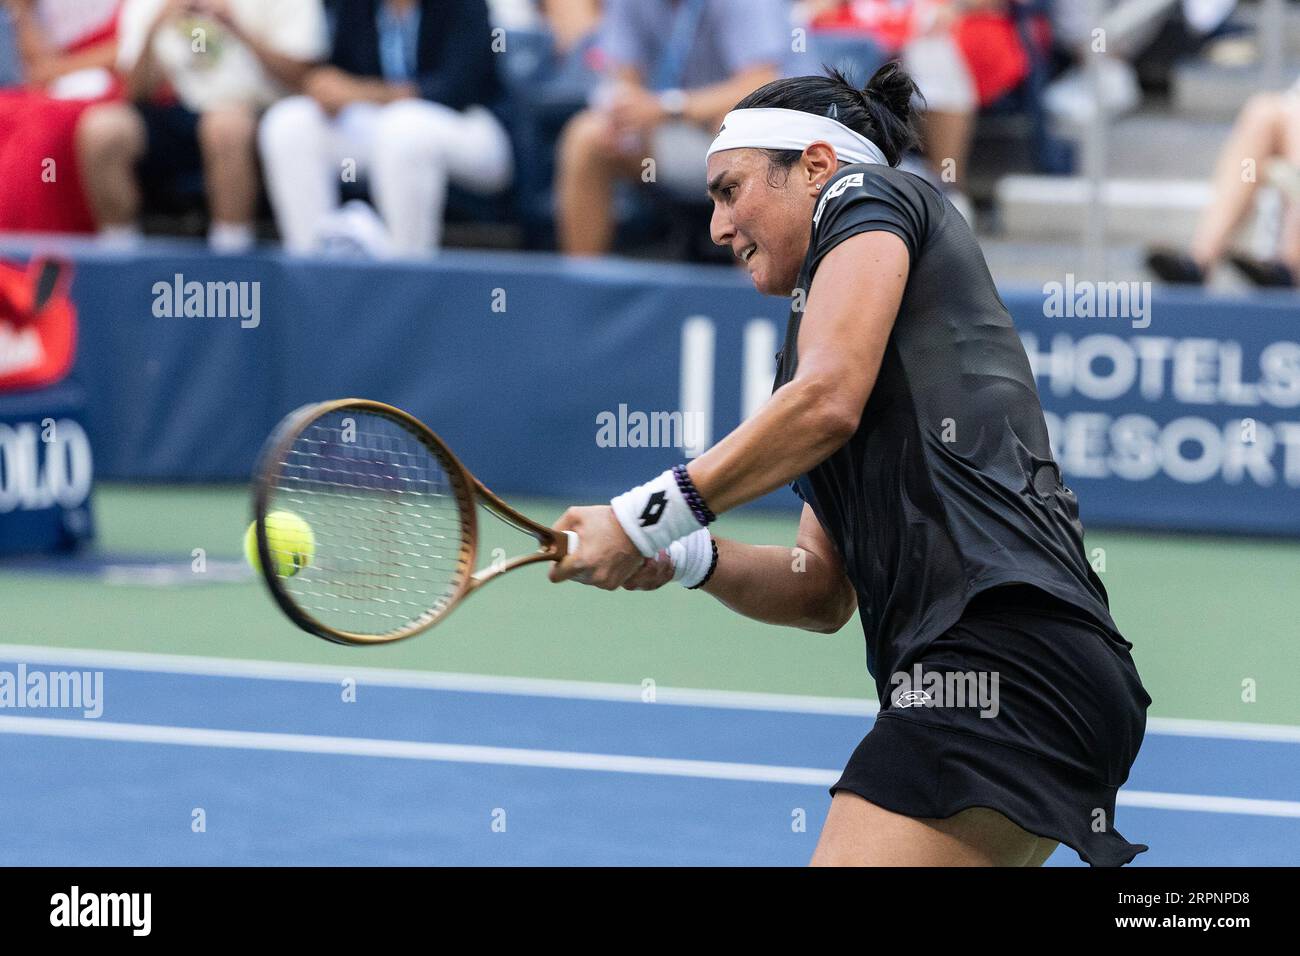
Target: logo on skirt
x,y
977,689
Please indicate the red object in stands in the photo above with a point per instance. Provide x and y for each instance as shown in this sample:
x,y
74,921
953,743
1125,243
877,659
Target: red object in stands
x,y
38,324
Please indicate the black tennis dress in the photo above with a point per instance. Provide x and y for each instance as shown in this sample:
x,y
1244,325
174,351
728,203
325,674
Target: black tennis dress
x,y
1003,680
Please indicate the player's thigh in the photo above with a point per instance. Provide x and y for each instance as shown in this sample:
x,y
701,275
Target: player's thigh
x,y
860,833
1045,848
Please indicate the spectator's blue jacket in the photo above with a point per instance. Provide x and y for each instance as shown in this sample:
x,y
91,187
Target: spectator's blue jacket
x,y
454,62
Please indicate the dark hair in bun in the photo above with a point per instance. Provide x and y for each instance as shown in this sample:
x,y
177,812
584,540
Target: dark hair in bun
x,y
882,111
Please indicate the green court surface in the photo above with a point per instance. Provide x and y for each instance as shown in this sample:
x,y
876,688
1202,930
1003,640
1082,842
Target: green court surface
x,y
1208,616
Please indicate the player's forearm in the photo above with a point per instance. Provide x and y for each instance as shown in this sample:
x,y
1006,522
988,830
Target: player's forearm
x,y
801,426
778,585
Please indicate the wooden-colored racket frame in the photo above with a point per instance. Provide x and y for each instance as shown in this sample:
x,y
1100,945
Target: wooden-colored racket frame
x,y
468,490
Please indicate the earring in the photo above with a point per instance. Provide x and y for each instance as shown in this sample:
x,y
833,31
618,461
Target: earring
x,y
819,185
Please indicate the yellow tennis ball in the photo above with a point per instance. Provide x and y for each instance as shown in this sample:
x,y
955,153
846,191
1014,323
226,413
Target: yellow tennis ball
x,y
290,540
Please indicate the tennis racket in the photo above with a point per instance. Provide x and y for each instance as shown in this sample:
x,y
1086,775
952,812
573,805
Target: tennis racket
x,y
392,515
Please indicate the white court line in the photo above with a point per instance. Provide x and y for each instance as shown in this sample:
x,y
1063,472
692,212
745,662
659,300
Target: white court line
x,y
547,759
1152,800
550,687
430,680
413,750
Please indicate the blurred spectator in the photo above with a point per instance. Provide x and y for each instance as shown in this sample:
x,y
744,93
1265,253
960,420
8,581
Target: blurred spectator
x,y
575,33
67,49
409,98
11,73
1264,144
963,54
514,14
675,69
571,21
60,41
1141,40
197,72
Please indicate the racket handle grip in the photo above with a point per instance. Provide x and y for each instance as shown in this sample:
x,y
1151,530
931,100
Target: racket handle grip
x,y
573,542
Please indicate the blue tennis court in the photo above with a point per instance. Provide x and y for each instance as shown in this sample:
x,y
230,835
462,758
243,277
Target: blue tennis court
x,y
199,761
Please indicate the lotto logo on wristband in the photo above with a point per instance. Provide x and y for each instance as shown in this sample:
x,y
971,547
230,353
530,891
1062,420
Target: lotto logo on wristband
x,y
655,514
654,509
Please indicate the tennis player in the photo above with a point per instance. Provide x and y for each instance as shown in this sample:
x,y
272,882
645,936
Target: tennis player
x,y
906,416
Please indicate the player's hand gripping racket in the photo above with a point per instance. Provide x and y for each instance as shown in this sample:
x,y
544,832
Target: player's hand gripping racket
x,y
391,516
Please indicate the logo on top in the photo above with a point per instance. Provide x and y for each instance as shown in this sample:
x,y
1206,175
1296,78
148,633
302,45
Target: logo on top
x,y
852,179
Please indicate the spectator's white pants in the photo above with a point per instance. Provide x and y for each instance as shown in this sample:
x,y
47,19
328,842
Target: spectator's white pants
x,y
409,151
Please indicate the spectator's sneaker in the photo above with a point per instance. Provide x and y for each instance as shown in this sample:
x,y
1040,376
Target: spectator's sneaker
x,y
1176,267
1069,98
1266,275
354,231
120,238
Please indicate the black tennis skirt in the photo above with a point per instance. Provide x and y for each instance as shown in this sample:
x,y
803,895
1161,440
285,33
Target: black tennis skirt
x,y
1026,706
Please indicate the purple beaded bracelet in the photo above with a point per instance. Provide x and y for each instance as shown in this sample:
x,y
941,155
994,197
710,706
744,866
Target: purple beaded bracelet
x,y
713,566
692,495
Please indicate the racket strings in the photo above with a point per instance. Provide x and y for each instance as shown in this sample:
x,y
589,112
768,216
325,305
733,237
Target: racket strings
x,y
386,520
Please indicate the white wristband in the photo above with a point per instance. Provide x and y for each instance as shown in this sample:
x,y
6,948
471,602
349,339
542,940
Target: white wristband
x,y
655,514
692,557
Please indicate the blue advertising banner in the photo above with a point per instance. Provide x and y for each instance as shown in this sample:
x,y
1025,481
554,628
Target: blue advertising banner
x,y
46,471
576,380
1190,422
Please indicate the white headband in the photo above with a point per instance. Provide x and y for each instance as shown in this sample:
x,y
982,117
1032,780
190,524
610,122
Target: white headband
x,y
768,128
